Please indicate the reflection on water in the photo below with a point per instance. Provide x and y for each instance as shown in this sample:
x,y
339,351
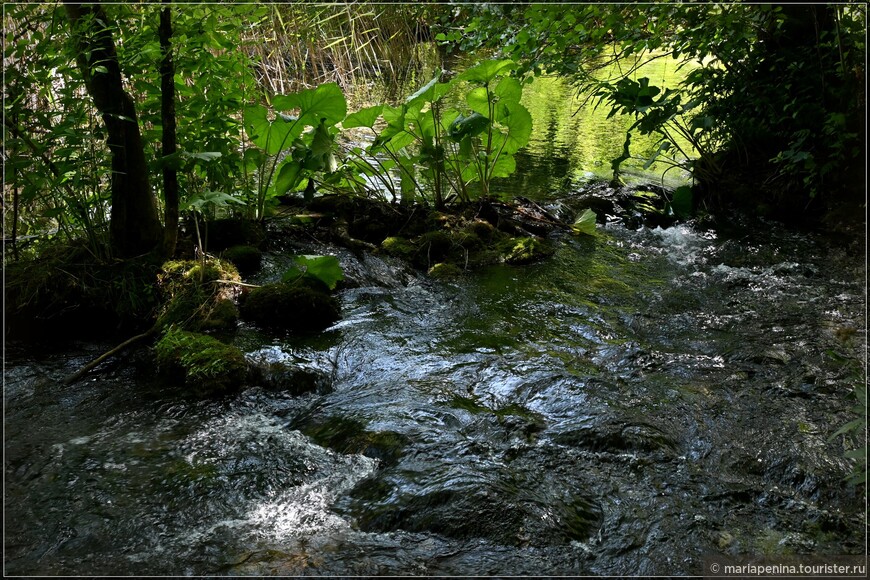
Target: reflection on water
x,y
573,140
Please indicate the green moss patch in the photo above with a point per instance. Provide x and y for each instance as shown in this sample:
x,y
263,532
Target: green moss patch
x,y
198,296
350,436
201,362
399,247
445,271
458,242
526,250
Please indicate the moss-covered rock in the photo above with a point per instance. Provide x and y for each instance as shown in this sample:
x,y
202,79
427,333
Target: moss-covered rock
x,y
223,315
69,291
197,295
295,379
202,363
526,250
433,247
399,247
445,271
482,229
247,259
294,307
467,240
351,436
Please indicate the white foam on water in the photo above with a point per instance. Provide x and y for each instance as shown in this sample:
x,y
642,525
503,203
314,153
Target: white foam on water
x,y
305,510
682,245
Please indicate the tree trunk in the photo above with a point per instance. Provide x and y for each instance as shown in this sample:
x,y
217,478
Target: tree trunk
x,y
134,226
167,110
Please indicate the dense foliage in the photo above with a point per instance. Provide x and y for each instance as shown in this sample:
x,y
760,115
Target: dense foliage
x,y
772,93
58,166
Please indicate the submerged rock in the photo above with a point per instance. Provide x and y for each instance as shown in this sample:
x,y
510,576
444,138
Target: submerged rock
x,y
296,379
351,436
504,508
294,307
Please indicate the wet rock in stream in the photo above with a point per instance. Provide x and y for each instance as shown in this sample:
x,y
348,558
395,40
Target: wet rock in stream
x,y
506,507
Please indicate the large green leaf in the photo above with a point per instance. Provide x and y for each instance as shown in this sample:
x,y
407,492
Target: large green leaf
x,y
253,159
270,136
289,176
363,118
518,122
487,71
509,89
470,126
214,198
585,224
257,125
285,102
428,93
504,166
324,268
478,100
395,118
395,135
320,155
323,103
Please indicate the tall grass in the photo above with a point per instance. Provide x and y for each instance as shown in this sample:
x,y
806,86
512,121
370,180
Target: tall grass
x,y
360,46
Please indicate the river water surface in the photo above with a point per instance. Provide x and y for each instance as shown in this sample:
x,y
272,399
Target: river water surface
x,y
640,400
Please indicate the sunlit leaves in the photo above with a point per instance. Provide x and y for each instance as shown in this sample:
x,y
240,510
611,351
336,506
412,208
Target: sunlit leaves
x,y
325,102
366,117
585,223
200,201
271,136
289,176
518,122
325,269
431,92
486,71
509,89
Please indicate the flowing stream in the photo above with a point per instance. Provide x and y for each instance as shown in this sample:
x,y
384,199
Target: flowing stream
x,y
640,400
